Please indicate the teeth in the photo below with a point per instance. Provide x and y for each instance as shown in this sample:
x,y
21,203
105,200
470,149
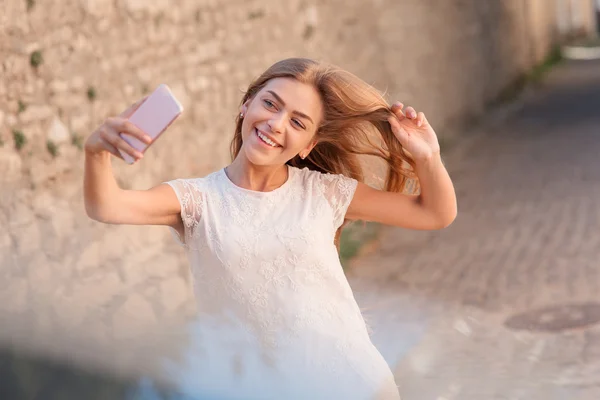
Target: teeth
x,y
266,139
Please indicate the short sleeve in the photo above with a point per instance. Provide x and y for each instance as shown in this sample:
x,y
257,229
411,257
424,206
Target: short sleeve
x,y
339,191
190,198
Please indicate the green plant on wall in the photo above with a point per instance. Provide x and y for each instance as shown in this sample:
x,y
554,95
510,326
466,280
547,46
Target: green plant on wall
x,y
52,148
77,140
309,30
91,93
158,20
36,59
22,107
256,14
19,138
553,58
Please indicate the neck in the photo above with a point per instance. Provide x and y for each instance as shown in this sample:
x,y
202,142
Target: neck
x,y
260,178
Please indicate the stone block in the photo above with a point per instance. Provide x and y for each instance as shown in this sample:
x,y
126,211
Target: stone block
x,y
165,265
58,86
140,7
10,166
80,123
27,238
129,320
19,213
97,291
36,112
97,8
14,298
40,275
41,170
58,132
43,204
90,258
5,242
175,292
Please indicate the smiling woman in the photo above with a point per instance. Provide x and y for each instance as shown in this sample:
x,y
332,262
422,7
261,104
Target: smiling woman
x,y
261,233
280,117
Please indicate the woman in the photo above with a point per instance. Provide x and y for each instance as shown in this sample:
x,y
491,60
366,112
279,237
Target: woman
x,y
261,233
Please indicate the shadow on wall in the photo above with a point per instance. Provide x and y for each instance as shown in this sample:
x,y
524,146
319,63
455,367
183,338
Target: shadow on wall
x,y
24,376
27,377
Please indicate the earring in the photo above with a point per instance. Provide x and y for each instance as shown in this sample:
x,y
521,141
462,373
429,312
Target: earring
x,y
241,115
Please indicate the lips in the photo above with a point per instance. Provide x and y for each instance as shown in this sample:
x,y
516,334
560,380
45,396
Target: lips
x,y
258,133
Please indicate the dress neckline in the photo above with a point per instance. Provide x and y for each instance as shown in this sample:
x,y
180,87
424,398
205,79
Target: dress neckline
x,y
291,171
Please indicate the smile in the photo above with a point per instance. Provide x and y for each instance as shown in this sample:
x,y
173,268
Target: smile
x,y
265,139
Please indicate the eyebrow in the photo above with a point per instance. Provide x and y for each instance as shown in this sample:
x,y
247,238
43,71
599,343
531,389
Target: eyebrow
x,y
279,99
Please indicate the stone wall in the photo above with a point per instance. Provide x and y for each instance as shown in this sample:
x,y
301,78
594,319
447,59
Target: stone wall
x,y
67,65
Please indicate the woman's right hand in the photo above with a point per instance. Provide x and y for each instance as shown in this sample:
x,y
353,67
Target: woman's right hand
x,y
107,138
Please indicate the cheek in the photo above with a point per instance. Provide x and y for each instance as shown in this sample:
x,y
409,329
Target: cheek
x,y
294,142
304,141
296,145
246,129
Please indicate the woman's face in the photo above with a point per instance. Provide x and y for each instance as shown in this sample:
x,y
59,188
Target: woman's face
x,y
280,122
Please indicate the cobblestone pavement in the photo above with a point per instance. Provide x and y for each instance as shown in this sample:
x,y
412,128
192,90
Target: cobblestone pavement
x,y
504,304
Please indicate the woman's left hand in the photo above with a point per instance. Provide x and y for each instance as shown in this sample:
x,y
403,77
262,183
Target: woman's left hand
x,y
414,132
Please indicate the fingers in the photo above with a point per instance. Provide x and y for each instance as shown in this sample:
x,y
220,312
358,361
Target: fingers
x,y
112,150
401,112
409,112
397,106
401,134
124,126
115,142
420,119
397,110
111,137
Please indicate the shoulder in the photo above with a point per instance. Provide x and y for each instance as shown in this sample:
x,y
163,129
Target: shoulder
x,y
192,184
309,174
325,181
306,174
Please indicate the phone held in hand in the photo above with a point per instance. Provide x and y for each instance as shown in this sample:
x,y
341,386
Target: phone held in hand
x,y
153,117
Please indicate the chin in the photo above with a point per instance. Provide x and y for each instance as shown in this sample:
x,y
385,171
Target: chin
x,y
257,158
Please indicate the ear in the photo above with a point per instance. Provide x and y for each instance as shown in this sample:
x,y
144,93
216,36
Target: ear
x,y
308,149
244,107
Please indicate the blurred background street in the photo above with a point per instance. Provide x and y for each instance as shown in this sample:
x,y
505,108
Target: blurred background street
x,y
504,304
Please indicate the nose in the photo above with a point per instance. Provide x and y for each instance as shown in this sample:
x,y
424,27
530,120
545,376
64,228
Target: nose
x,y
276,123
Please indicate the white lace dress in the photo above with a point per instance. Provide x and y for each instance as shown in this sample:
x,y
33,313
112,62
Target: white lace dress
x,y
277,317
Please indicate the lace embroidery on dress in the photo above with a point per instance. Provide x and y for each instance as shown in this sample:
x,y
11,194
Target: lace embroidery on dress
x,y
191,200
338,190
266,263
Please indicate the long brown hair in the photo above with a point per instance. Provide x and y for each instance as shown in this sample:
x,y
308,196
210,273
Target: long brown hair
x,y
354,112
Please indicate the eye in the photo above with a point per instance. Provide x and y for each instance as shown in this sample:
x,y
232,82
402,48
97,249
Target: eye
x,y
268,103
298,123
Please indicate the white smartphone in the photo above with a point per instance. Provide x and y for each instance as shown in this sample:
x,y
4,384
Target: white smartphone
x,y
153,117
